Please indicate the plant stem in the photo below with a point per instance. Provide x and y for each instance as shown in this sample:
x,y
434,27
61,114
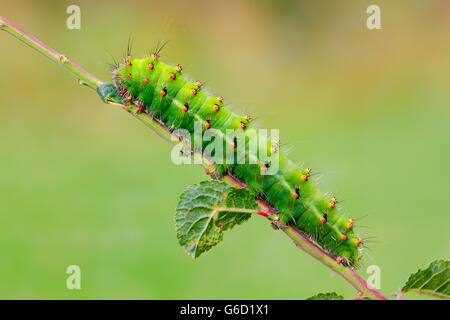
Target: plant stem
x,y
85,78
238,210
345,272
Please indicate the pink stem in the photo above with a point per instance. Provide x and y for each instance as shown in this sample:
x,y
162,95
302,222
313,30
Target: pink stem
x,y
84,77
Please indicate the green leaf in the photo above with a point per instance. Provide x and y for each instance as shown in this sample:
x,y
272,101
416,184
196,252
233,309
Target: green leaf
x,y
207,209
326,296
433,281
109,93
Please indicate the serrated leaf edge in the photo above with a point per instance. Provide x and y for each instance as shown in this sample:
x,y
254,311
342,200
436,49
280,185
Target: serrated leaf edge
x,y
426,291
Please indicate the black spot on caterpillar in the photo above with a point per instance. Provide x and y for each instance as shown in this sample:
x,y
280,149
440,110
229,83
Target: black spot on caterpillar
x,y
163,91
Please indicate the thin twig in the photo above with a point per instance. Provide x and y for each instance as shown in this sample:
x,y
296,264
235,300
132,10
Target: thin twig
x,y
83,77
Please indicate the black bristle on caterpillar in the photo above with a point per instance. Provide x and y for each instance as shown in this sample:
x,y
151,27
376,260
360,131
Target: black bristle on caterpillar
x,y
162,91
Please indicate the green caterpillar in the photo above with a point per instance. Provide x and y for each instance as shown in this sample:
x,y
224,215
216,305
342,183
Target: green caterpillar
x,y
162,91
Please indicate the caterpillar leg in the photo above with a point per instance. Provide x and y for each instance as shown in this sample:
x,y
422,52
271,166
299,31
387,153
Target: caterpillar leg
x,y
140,109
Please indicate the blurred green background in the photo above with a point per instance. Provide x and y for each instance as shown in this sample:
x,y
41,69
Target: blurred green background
x,y
84,183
